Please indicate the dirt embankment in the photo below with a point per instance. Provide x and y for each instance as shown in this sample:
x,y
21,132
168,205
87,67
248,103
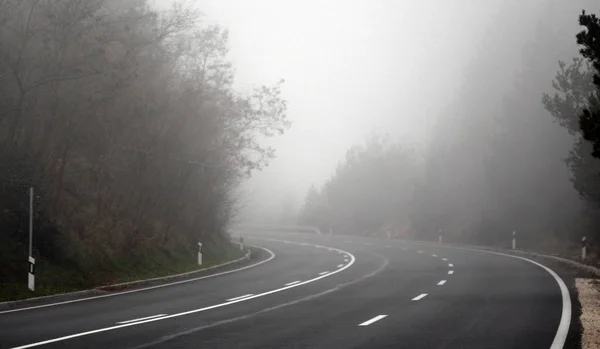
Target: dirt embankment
x,y
589,296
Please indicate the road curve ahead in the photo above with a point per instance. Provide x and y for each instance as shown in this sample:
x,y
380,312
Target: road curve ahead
x,y
323,292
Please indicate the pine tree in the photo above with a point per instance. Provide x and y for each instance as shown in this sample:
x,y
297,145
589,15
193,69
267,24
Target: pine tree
x,y
589,120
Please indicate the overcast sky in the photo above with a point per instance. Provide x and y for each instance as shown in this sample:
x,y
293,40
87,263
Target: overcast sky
x,y
352,68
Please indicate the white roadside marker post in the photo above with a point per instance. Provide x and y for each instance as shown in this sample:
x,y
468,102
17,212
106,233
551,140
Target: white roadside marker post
x,y
241,243
31,274
199,253
583,248
31,271
514,240
440,236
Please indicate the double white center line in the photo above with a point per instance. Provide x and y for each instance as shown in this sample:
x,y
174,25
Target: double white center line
x,y
240,297
142,318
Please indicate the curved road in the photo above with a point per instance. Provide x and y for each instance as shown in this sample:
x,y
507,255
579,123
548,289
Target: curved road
x,y
322,292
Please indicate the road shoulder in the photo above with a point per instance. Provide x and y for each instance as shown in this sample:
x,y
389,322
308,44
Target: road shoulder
x,y
253,257
589,297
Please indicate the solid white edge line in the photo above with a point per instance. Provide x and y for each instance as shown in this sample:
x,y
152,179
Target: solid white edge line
x,y
419,297
323,272
441,282
240,297
375,319
450,272
272,255
219,305
292,283
565,318
140,319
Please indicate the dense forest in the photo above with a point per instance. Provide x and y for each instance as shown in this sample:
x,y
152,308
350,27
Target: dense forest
x,y
518,156
125,122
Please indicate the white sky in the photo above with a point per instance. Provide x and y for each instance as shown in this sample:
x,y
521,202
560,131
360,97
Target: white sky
x,y
352,68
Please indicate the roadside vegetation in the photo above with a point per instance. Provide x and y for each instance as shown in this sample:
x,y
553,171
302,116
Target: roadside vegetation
x,y
125,122
490,169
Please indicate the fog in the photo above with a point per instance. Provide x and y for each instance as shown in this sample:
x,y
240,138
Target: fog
x,y
152,125
151,139
352,69
413,70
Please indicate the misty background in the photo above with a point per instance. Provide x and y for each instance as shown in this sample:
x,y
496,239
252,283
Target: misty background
x,y
352,69
464,78
147,126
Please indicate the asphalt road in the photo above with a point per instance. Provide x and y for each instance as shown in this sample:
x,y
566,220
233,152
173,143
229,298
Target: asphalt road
x,y
322,292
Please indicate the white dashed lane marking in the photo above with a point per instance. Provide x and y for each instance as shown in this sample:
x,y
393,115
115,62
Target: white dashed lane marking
x,y
419,297
373,320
